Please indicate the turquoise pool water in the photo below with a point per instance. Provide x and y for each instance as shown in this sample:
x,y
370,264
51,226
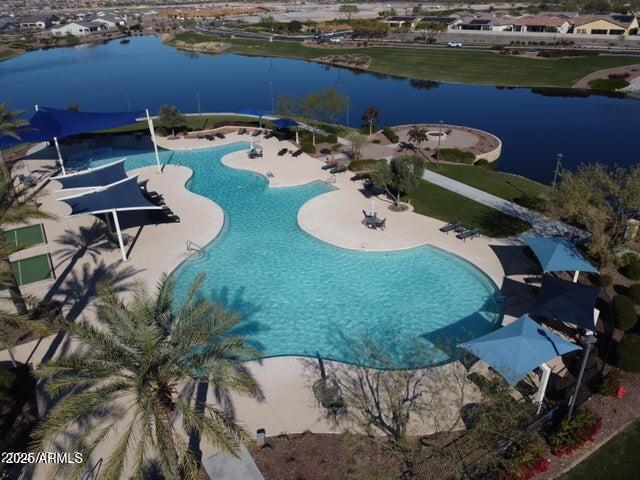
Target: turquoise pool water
x,y
299,296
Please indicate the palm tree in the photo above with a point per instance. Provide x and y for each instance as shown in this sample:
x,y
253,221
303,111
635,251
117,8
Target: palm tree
x,y
18,205
370,115
135,375
10,125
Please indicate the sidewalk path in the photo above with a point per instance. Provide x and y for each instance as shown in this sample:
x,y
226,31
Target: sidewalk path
x,y
540,225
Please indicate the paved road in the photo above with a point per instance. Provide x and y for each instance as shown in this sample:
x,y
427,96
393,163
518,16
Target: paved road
x,y
540,225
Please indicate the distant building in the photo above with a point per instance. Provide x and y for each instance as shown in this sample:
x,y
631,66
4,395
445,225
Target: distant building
x,y
541,23
35,21
8,23
449,22
606,25
79,28
402,21
110,20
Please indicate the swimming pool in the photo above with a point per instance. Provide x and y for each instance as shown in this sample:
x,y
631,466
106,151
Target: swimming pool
x,y
299,296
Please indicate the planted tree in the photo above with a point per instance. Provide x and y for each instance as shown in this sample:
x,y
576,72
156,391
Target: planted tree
x,y
138,378
417,135
358,140
370,115
10,126
170,118
399,176
600,200
348,10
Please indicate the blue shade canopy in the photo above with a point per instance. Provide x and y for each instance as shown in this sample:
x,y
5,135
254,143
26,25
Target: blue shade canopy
x,y
557,254
51,122
94,177
284,123
566,301
120,196
255,112
518,348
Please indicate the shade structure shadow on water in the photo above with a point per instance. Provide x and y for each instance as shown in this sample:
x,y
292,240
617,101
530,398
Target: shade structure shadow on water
x,y
299,296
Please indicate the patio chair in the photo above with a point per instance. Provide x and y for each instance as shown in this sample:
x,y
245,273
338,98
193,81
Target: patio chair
x,y
338,169
242,131
452,226
297,153
474,232
26,180
269,135
282,152
329,165
381,224
220,135
256,132
210,137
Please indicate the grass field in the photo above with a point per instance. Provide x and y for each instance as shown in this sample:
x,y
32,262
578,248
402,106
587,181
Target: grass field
x,y
194,122
437,202
447,65
7,54
503,185
618,459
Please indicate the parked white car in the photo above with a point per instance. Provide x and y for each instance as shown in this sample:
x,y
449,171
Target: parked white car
x,y
454,44
335,39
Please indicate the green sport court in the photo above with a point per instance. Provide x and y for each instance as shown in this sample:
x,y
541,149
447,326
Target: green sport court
x,y
24,237
32,269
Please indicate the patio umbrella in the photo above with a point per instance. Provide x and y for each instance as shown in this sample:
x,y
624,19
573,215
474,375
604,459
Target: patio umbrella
x,y
566,301
557,254
518,348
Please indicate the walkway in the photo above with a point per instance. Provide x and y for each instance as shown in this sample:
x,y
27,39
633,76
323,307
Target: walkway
x,y
540,225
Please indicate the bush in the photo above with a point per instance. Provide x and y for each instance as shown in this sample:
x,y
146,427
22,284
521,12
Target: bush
x,y
366,165
390,134
624,312
634,293
574,432
609,384
331,138
456,155
308,147
376,141
608,84
605,280
632,270
481,162
627,355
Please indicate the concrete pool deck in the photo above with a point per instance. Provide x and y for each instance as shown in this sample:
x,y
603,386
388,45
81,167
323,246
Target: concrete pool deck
x,y
334,217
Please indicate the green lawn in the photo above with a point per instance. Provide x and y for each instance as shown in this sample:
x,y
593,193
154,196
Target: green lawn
x,y
193,122
437,202
618,459
503,185
448,65
7,54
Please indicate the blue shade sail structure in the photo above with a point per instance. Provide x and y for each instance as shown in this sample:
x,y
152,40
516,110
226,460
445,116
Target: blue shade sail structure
x,y
48,123
255,112
284,123
94,177
518,348
566,301
119,196
557,254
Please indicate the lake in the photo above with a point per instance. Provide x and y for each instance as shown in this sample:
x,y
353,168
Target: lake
x,y
534,125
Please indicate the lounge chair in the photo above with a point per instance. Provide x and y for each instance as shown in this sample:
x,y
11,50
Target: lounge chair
x,y
381,224
210,137
242,131
26,180
220,135
359,176
474,232
452,226
256,132
329,165
338,169
269,135
297,153
282,152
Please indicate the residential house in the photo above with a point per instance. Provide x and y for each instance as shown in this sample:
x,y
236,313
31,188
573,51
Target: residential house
x,y
8,23
402,21
449,22
541,23
35,21
110,20
606,25
79,28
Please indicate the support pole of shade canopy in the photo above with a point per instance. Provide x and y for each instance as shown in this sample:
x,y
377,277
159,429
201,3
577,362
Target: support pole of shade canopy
x,y
119,233
297,137
544,381
575,276
55,141
153,139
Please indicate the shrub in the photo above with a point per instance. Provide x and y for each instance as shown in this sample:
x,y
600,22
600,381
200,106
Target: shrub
x,y
609,384
336,147
456,155
634,293
481,162
308,147
608,84
624,312
366,165
7,381
390,134
627,355
632,270
331,138
375,140
605,280
574,432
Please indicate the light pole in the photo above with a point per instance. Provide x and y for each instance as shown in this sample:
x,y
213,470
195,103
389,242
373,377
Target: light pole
x,y
126,94
272,105
555,175
439,140
199,109
589,341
